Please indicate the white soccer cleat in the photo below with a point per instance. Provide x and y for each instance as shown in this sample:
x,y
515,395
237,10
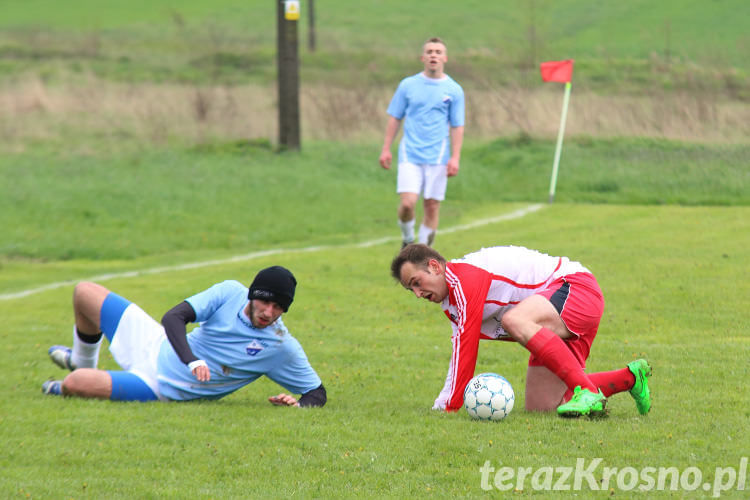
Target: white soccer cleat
x,y
52,388
62,356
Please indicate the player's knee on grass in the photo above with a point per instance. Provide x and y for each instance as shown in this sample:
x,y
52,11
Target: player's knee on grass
x,y
87,383
544,389
542,402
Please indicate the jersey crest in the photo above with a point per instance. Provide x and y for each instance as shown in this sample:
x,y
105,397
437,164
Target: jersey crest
x,y
255,346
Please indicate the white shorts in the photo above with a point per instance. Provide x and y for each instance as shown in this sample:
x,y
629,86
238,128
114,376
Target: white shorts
x,y
136,343
428,180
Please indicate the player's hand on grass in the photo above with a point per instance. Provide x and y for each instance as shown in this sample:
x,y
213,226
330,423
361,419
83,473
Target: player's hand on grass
x,y
283,400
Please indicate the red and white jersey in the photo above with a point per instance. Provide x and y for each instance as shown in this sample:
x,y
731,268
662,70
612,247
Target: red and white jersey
x,y
482,286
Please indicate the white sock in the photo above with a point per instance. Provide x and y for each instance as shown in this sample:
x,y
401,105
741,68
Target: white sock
x,y
84,355
407,230
426,234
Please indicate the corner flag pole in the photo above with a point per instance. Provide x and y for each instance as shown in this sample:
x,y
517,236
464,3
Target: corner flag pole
x,y
558,71
558,148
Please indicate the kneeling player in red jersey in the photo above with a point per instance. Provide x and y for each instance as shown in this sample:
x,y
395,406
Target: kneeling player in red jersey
x,y
550,305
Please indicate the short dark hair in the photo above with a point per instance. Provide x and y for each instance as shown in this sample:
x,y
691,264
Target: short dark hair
x,y
417,254
434,39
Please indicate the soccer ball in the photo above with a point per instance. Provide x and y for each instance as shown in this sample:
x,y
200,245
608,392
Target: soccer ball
x,y
488,396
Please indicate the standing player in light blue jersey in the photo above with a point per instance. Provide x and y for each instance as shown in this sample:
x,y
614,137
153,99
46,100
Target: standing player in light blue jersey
x,y
431,105
240,338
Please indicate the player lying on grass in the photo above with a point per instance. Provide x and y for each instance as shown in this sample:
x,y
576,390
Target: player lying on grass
x,y
240,337
550,305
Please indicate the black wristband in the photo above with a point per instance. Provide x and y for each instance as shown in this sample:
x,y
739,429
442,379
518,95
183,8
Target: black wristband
x,y
316,397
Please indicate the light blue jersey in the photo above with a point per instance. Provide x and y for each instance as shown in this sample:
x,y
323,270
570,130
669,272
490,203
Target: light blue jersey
x,y
236,352
431,107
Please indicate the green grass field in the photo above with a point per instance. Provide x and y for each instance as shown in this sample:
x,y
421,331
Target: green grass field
x,y
160,205
382,355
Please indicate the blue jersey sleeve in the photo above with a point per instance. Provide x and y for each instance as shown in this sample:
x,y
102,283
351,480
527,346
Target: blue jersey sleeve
x,y
296,374
207,302
399,102
457,110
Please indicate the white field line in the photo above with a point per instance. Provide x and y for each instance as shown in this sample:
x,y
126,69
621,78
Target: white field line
x,y
516,214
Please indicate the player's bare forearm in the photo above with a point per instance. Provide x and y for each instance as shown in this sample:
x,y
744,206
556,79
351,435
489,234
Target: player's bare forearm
x,y
391,129
457,141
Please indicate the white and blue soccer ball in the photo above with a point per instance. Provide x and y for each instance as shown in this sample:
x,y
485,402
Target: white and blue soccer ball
x,y
488,396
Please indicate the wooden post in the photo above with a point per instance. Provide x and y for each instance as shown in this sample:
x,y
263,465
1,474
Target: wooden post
x,y
288,76
311,25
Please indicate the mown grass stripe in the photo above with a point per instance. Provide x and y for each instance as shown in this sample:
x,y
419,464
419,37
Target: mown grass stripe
x,y
516,214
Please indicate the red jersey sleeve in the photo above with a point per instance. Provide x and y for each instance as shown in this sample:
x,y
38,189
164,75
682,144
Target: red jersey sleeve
x,y
468,287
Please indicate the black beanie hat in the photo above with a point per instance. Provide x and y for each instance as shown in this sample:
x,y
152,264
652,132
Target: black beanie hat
x,y
274,284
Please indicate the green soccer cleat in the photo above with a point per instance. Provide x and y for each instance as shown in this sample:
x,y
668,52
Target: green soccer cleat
x,y
583,402
641,370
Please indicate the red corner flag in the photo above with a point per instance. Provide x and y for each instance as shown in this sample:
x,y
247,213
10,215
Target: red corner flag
x,y
557,71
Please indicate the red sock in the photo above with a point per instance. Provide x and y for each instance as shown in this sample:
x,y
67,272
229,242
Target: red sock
x,y
613,382
610,382
555,355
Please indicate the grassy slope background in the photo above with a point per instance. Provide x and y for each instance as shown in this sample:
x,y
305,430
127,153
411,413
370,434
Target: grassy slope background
x,y
169,73
503,31
663,224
